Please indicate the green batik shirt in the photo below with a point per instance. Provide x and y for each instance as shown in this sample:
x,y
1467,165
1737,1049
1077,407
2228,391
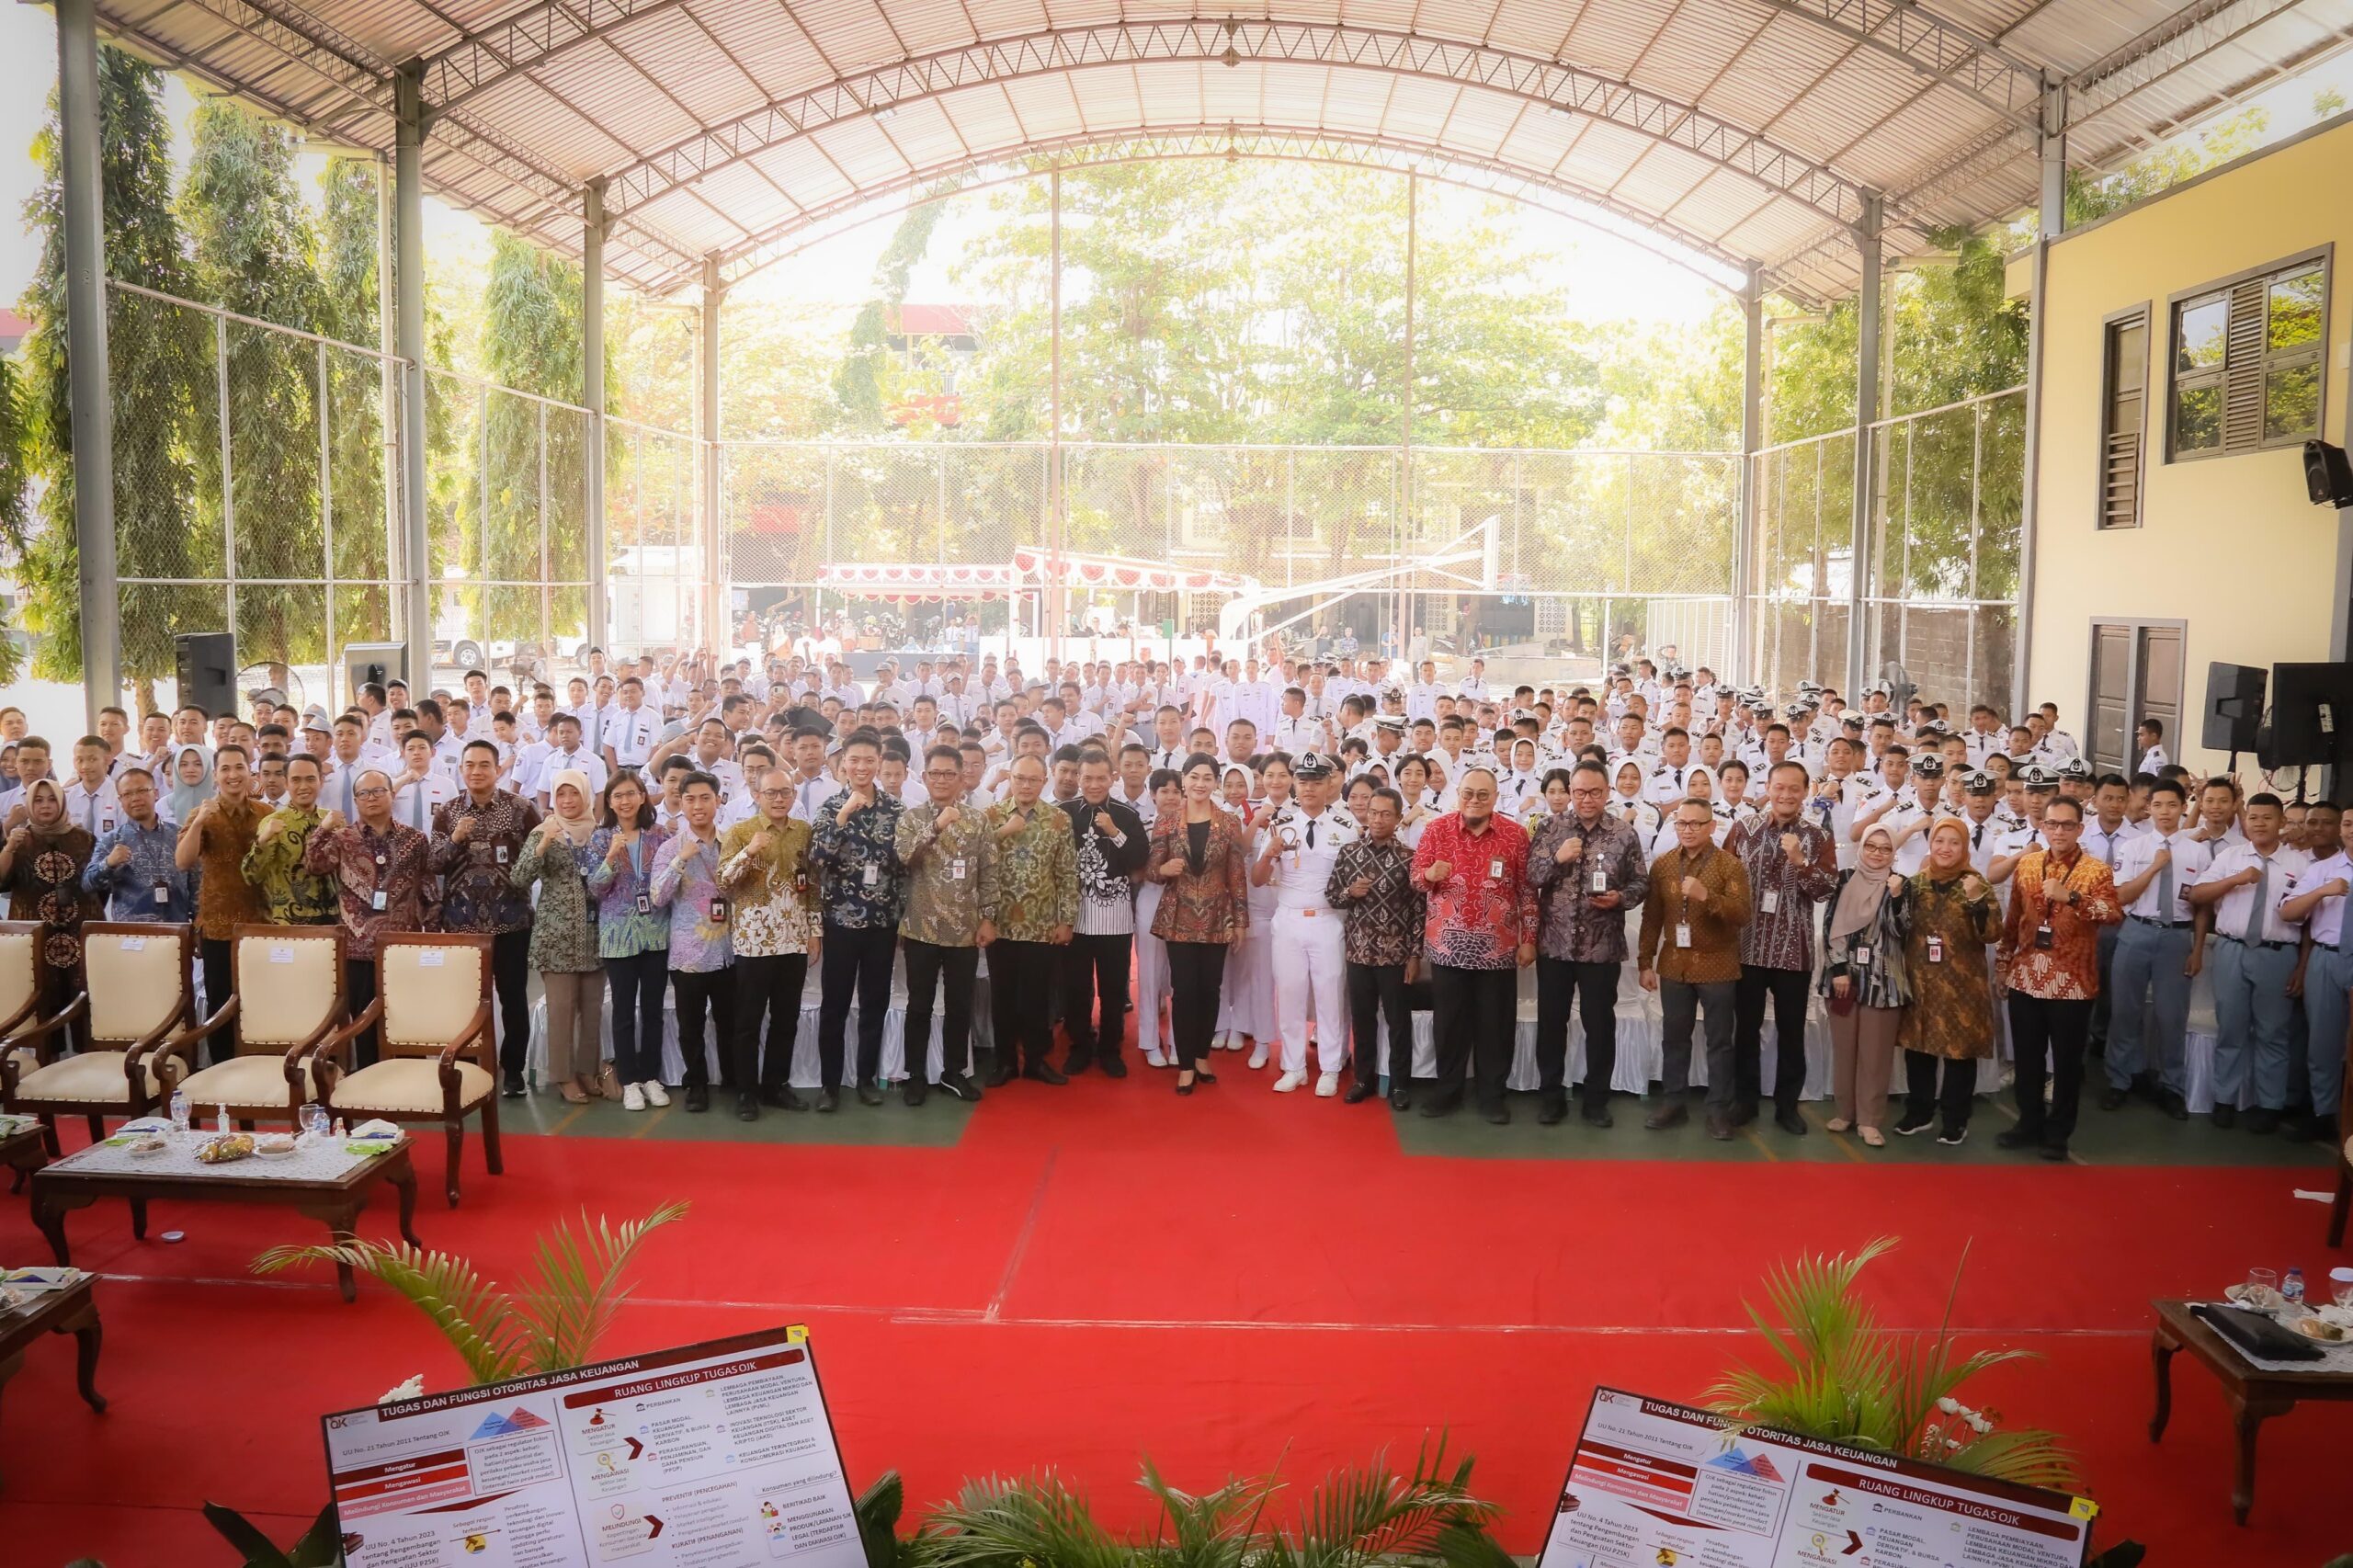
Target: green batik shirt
x,y
1036,874
291,895
951,876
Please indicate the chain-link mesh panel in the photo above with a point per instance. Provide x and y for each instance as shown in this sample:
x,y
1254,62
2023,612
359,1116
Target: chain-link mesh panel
x,y
1345,510
654,562
996,501
775,501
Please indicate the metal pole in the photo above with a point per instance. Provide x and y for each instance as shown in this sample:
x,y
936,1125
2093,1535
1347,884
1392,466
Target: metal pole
x,y
89,382
326,516
592,394
408,281
228,472
1867,314
1976,489
479,622
713,292
1403,621
2053,146
1056,609
1752,428
546,593
389,429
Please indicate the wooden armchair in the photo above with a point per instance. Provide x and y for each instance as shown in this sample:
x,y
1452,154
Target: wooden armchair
x,y
288,999
136,990
2337,1211
435,1062
19,988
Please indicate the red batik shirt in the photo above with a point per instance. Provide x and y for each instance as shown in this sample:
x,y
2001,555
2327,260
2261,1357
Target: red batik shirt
x,y
1484,909
2068,969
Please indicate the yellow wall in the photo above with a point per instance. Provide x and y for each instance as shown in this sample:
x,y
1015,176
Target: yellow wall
x,y
2231,545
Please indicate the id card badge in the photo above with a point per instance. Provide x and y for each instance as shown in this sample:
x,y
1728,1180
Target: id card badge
x,y
718,912
1496,870
1862,957
2042,938
1769,902
1683,933
801,880
1601,882
375,901
501,853
163,892
956,870
645,903
872,875
1935,949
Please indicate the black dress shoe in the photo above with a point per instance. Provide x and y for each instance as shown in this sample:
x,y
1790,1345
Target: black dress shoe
x,y
697,1098
868,1094
1912,1121
1359,1093
1597,1114
829,1099
783,1099
2225,1115
748,1108
2262,1119
912,1092
1791,1123
2054,1153
1078,1061
1401,1100
1204,1078
1045,1072
2016,1138
1553,1111
2176,1108
1496,1116
2112,1099
513,1088
1719,1128
1744,1113
1674,1113
1114,1067
1183,1087
1444,1105
1001,1075
961,1085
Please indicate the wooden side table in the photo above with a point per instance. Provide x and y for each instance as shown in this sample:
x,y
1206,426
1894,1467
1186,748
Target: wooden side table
x,y
74,1311
2255,1393
24,1151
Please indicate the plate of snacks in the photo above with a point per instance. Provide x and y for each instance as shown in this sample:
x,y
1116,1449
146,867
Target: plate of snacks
x,y
224,1147
2321,1329
149,1144
274,1145
2257,1297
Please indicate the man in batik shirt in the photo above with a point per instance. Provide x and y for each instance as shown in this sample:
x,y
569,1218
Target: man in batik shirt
x,y
291,895
1381,909
1032,914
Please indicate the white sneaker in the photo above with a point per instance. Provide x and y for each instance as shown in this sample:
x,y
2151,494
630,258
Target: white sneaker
x,y
1152,1057
1327,1086
1258,1054
632,1098
655,1092
1289,1082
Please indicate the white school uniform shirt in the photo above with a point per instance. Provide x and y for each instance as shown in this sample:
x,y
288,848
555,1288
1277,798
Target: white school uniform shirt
x,y
523,778
1296,736
2232,910
2326,924
415,800
555,762
96,809
1303,870
632,736
810,795
1667,782
2153,761
2106,847
1912,853
2189,859
1169,758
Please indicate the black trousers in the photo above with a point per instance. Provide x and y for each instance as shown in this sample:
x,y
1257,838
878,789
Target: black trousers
x,y
510,974
768,991
219,983
1095,968
1196,978
927,964
1376,992
359,989
1951,1106
857,962
1788,989
1021,985
712,992
638,983
1592,988
2047,1037
1475,1012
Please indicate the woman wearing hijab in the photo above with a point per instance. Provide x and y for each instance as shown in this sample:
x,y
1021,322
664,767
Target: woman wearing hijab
x,y
556,857
40,869
191,784
1956,919
1864,975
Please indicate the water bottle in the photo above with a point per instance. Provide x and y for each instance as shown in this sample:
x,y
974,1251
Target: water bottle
x,y
179,1110
221,1119
2291,1287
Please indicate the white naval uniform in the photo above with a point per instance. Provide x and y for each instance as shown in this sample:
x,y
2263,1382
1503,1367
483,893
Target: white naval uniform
x,y
1310,948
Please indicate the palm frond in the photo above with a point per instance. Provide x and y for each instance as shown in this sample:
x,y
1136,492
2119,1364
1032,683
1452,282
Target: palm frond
x,y
998,1523
477,1320
2024,1455
1209,1531
576,1287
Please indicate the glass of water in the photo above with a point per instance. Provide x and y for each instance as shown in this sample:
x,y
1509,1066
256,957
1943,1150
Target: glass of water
x,y
2263,1279
315,1121
2340,1286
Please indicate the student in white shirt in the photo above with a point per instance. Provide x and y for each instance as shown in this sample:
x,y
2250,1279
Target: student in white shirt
x,y
2255,957
2329,974
422,788
2159,950
90,800
2150,737
565,750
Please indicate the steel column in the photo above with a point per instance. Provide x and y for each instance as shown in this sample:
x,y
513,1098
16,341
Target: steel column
x,y
1752,435
592,393
408,282
1052,600
1866,394
89,382
389,425
707,407
2053,145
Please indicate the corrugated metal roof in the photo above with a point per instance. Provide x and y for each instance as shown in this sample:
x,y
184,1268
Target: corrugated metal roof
x,y
1746,129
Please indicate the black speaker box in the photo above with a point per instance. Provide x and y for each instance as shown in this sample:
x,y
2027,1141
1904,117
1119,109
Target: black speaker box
x,y
2312,708
2233,707
207,671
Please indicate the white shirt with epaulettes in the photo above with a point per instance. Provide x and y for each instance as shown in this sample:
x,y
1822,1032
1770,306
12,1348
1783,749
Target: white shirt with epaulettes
x,y
1307,848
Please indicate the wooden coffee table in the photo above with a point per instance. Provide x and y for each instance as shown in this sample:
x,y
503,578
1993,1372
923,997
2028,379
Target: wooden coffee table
x,y
2256,1394
335,1199
74,1311
23,1152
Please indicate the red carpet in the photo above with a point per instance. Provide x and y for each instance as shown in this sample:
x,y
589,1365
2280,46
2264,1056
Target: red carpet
x,y
1095,1274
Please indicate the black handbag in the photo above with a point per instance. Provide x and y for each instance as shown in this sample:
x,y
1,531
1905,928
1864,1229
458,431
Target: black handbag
x,y
2256,1334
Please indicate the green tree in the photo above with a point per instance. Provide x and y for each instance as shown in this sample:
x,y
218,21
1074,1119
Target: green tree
x,y
156,354
356,484
533,458
251,247
15,454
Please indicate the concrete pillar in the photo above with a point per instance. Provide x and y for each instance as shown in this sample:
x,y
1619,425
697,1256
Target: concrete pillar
x,y
90,384
714,591
592,395
1867,396
1752,436
408,294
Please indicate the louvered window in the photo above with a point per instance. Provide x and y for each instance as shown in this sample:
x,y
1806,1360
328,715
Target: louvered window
x,y
2246,365
2125,376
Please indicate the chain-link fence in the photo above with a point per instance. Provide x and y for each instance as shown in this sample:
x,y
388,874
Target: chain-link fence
x,y
1940,595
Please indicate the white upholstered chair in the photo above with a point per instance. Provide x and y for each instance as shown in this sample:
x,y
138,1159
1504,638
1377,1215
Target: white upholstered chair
x,y
136,991
288,999
434,1061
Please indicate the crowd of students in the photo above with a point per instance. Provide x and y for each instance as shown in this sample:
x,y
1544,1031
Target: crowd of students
x,y
1282,857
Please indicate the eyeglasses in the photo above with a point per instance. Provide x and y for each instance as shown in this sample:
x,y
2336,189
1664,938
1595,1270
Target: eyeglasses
x,y
375,793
